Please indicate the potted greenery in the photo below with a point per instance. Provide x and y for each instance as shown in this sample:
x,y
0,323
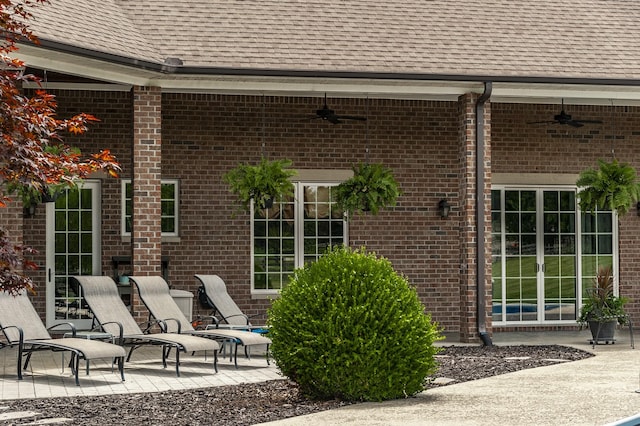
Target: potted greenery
x,y
612,186
602,310
371,188
264,183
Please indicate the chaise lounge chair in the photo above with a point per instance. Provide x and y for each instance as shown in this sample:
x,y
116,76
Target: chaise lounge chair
x,y
155,294
112,315
22,326
223,305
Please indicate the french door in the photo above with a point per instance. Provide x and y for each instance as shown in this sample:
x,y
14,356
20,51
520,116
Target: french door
x,y
545,253
73,248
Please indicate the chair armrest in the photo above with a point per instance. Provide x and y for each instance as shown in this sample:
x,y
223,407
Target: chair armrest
x,y
225,319
120,333
20,335
68,324
165,326
151,323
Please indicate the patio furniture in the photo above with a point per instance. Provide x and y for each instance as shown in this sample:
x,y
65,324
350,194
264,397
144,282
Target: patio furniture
x,y
155,294
219,300
22,326
112,316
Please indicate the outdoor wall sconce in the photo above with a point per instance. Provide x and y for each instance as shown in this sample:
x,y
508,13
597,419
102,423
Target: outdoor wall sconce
x,y
444,208
638,207
30,211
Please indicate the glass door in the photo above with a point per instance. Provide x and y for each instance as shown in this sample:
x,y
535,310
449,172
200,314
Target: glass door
x,y
535,255
73,248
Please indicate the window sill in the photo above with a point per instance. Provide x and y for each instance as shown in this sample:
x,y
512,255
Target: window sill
x,y
127,239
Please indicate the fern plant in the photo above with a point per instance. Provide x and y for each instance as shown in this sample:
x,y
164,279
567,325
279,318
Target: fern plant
x,y
612,186
263,183
371,188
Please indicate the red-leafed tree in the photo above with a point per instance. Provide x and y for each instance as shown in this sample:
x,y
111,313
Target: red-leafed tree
x,y
33,157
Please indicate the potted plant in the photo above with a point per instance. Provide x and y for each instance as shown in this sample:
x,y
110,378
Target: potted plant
x,y
371,188
264,183
612,186
602,310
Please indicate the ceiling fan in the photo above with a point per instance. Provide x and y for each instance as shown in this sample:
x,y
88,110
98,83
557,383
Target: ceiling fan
x,y
330,115
564,118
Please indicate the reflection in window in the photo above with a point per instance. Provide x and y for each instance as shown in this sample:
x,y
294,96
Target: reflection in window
x,y
293,232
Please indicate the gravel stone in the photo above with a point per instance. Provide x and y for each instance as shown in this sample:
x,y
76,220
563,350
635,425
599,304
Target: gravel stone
x,y
249,404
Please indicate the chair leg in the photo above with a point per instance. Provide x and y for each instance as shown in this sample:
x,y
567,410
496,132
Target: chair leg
x,y
76,367
177,362
121,367
19,362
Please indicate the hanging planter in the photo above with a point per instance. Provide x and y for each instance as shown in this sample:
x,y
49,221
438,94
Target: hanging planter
x,y
264,183
612,186
371,188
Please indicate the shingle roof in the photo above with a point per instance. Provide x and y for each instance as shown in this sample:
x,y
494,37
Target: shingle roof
x,y
541,38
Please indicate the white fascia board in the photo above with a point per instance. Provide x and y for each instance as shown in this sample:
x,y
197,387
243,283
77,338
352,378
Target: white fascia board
x,y
81,66
314,87
572,94
440,90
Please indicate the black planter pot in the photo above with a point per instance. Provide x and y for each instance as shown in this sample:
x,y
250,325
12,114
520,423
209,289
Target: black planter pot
x,y
603,331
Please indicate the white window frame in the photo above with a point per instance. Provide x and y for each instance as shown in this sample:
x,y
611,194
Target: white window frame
x,y
579,254
176,208
300,183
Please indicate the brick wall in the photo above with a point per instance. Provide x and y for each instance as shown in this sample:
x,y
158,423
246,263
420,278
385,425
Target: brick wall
x,y
203,136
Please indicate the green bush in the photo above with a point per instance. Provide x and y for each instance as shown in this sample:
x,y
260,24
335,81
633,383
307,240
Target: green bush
x,y
349,327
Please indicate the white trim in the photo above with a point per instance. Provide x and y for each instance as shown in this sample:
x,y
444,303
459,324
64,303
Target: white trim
x,y
298,221
419,89
96,201
165,236
533,179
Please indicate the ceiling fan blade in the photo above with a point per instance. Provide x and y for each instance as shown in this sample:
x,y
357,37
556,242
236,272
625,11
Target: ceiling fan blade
x,y
351,117
575,123
543,122
589,121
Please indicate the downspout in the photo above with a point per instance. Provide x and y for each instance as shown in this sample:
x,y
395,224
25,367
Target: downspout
x,y
480,215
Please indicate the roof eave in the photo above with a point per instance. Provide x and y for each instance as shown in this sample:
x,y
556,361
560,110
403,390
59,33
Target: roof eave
x,y
132,71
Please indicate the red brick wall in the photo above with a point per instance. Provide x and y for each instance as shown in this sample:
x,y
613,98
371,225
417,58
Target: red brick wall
x,y
203,136
206,135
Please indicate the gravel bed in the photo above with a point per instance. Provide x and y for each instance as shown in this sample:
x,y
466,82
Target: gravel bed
x,y
249,404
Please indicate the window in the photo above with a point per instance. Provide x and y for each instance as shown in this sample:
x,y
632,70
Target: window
x,y
292,233
169,191
545,253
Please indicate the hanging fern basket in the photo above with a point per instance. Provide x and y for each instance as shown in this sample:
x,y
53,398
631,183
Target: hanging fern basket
x,y
612,186
263,183
371,188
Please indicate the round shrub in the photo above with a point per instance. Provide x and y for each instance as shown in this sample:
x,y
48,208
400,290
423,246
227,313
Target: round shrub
x,y
349,327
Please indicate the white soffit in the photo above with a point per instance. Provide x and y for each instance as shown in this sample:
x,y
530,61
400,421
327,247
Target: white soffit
x,y
125,76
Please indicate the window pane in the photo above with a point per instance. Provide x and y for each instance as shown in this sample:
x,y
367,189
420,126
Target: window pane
x,y
276,235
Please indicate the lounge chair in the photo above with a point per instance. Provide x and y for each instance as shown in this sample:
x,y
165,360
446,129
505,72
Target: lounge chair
x,y
155,294
223,305
112,315
22,326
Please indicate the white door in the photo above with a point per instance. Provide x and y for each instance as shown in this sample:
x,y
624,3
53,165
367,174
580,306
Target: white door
x,y
73,248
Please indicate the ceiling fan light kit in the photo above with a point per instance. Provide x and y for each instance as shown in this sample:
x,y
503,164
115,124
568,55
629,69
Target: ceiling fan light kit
x,y
327,114
564,118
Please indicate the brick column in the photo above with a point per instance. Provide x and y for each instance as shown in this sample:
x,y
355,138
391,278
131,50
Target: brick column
x,y
468,225
146,243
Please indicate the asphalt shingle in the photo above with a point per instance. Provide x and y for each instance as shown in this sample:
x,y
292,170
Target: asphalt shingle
x,y
583,39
